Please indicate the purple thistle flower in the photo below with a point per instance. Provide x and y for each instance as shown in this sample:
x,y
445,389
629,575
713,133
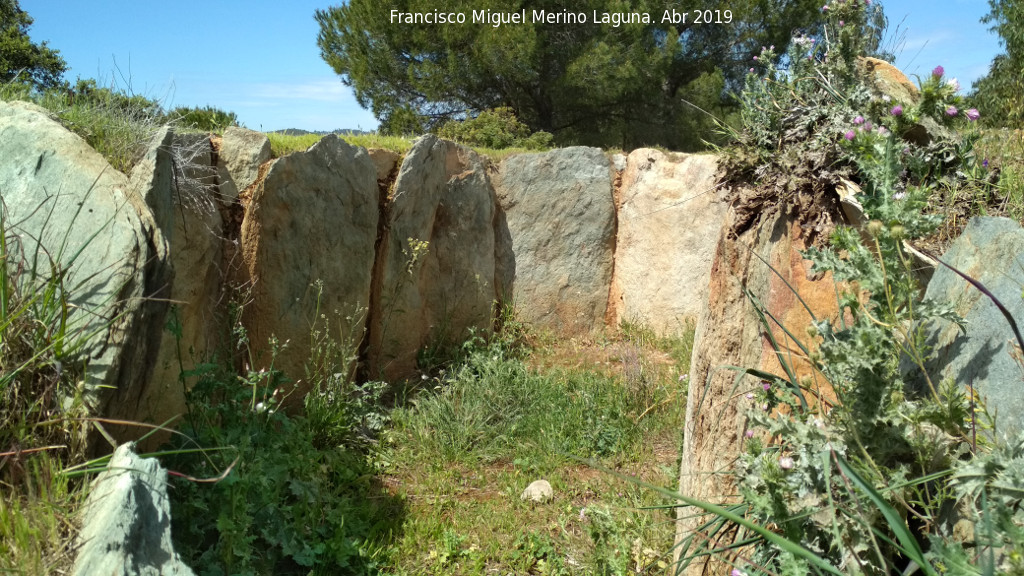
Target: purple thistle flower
x,y
824,8
751,70
850,135
951,111
938,71
858,120
897,110
841,23
749,433
755,58
973,114
766,386
786,463
867,126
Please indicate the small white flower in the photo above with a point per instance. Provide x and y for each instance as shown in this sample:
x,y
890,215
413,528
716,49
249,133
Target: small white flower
x,y
886,98
786,463
954,84
899,196
260,408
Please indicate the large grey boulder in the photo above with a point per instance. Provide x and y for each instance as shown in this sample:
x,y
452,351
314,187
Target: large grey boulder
x,y
990,250
560,216
437,266
178,179
126,525
670,215
64,202
312,218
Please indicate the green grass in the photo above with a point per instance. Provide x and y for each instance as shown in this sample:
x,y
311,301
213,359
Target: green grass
x,y
462,450
40,406
284,144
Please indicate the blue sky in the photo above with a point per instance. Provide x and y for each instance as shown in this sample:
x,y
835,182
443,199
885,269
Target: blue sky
x,y
259,58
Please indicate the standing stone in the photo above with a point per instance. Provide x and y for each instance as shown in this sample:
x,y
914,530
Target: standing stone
x,y
985,354
243,151
385,161
670,215
126,525
560,214
178,179
312,218
64,202
729,333
437,267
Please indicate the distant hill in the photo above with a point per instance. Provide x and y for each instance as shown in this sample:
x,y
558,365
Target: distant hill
x,y
301,132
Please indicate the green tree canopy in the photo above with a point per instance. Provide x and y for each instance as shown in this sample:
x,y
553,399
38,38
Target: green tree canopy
x,y
587,83
22,60
1000,94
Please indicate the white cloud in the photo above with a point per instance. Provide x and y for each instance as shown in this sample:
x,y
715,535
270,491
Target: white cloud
x,y
326,90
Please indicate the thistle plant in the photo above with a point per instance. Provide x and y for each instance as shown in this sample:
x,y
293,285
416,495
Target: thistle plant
x,y
873,479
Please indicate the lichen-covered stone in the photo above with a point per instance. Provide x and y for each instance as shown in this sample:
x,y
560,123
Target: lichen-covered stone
x,y
560,215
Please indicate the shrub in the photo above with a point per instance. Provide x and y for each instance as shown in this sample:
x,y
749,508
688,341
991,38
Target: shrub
x,y
205,119
496,129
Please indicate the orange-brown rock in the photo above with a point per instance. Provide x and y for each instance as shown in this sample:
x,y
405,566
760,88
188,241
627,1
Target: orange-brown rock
x,y
889,80
730,333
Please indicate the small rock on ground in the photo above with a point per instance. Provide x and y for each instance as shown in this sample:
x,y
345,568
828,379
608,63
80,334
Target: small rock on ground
x,y
538,491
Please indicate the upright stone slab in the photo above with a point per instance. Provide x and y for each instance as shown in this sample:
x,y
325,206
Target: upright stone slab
x,y
669,218
437,266
64,202
243,151
178,179
986,354
312,218
560,216
730,333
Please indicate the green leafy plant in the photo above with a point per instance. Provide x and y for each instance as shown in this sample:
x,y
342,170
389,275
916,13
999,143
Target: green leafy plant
x,y
205,119
295,498
497,129
44,418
